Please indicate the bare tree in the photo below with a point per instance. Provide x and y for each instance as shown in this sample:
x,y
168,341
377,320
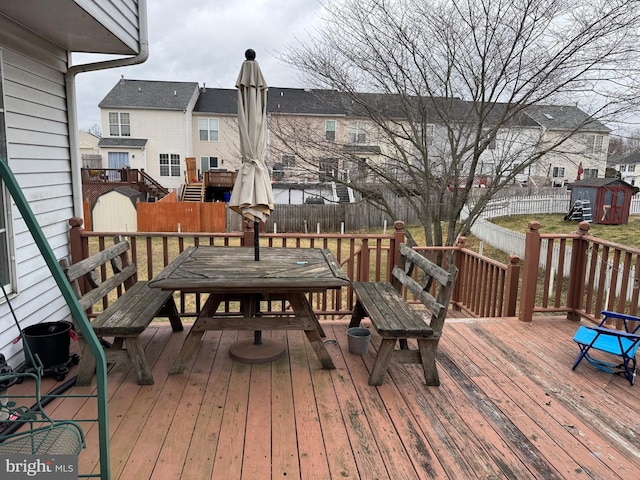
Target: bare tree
x,y
457,76
94,130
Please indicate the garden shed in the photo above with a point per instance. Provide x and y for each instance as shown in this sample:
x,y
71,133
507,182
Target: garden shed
x,y
115,211
601,200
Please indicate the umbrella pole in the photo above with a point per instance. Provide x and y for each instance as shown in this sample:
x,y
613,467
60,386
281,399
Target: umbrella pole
x,y
256,240
257,335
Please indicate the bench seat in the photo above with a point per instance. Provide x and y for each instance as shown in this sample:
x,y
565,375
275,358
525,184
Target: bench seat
x,y
390,314
131,313
396,321
127,317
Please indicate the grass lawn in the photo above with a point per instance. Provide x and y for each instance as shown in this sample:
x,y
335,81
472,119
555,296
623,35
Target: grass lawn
x,y
628,234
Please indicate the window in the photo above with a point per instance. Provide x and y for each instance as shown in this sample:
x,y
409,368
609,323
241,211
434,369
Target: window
x,y
6,267
631,168
428,135
169,165
492,141
327,169
208,163
209,129
288,161
330,130
590,173
558,172
594,144
119,124
357,133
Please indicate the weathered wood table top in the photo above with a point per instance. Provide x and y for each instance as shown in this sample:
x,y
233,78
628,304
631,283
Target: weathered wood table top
x,y
229,272
208,269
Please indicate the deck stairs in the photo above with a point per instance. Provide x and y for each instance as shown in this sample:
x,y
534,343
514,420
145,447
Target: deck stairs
x,y
193,192
342,192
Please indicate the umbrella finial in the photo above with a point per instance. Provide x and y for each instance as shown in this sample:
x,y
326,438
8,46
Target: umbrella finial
x,y
250,54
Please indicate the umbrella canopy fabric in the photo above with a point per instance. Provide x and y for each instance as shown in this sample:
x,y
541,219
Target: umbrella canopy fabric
x,y
252,195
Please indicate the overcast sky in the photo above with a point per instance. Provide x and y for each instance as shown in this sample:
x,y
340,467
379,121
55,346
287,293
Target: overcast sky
x,y
204,41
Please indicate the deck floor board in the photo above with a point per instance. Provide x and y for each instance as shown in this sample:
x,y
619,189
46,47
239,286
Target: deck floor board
x,y
509,406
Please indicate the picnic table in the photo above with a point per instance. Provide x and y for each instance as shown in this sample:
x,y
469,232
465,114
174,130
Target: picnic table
x,y
232,274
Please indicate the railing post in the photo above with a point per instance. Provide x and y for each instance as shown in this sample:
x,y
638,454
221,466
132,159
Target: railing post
x,y
363,266
458,259
247,229
530,272
79,248
511,286
398,238
578,272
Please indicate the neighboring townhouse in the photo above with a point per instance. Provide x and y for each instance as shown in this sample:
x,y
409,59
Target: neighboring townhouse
x,y
629,168
147,125
39,135
89,150
333,135
586,149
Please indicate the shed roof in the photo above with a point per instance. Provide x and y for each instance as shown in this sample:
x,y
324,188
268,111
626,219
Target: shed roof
x,y
600,182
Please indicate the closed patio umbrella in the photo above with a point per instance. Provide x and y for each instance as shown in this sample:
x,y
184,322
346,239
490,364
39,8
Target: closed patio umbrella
x,y
252,195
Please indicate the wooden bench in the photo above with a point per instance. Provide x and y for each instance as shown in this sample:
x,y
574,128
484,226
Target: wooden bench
x,y
396,321
127,317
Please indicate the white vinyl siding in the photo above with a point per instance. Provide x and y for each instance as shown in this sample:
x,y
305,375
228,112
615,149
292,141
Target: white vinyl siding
x,y
119,16
38,149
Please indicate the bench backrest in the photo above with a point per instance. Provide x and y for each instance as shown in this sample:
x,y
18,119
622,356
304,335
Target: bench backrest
x,y
430,272
124,273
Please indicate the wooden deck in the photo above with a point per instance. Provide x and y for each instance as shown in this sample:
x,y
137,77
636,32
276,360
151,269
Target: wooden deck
x,y
509,406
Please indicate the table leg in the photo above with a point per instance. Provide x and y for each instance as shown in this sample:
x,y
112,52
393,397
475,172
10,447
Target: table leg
x,y
301,307
194,336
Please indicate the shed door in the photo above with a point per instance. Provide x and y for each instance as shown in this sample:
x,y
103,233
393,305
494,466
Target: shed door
x,y
613,206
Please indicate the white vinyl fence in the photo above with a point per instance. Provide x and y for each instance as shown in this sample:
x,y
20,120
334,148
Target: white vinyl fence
x,y
513,243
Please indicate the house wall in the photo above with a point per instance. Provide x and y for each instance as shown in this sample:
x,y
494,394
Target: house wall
x,y
570,155
167,132
37,142
226,148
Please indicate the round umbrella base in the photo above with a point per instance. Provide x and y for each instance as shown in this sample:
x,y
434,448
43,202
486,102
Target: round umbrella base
x,y
246,351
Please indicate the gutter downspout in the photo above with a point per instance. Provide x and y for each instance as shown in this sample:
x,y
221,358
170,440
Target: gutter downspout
x,y
70,75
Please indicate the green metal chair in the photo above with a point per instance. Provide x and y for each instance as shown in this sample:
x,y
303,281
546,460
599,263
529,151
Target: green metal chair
x,y
65,428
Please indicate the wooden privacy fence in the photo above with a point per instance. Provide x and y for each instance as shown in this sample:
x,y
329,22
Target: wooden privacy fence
x,y
181,217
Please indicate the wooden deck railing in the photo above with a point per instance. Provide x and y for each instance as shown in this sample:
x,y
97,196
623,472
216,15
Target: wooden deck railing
x,y
485,287
124,176
582,275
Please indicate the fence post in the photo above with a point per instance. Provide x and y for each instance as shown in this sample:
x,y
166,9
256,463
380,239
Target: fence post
x,y
511,286
530,272
578,272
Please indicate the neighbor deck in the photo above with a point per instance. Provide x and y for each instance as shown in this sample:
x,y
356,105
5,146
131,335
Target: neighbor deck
x,y
509,406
